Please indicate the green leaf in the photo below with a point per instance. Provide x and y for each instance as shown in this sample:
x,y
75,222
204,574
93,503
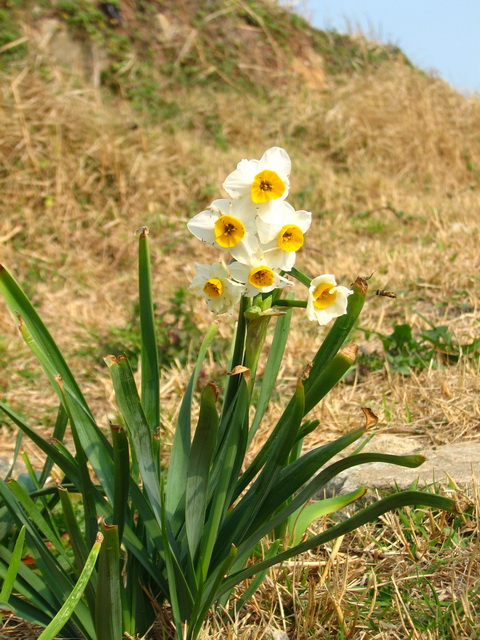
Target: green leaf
x,y
77,543
316,484
178,592
209,595
329,376
29,584
47,350
252,505
198,472
52,571
40,341
304,516
58,433
369,514
222,481
38,519
108,607
254,584
138,429
63,616
86,485
149,354
271,369
121,465
177,470
12,570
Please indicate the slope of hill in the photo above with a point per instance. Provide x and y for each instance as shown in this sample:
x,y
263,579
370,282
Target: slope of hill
x,y
113,121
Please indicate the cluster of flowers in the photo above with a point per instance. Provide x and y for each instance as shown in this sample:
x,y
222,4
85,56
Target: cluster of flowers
x,y
262,233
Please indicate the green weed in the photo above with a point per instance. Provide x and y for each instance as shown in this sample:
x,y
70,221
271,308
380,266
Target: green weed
x,y
405,351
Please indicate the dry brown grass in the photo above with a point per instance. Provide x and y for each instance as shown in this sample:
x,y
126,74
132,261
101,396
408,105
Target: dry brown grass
x,y
389,163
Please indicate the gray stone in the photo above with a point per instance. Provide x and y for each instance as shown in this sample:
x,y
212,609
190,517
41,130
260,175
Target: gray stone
x,y
459,462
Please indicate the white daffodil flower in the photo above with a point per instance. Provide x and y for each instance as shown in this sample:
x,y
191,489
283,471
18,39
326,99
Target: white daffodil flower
x,y
225,224
261,181
221,293
281,223
281,232
326,300
257,275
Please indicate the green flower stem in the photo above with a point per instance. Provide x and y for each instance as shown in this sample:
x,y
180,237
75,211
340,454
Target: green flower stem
x,y
238,351
256,334
301,277
291,303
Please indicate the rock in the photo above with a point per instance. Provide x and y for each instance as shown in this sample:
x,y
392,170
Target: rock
x,y
459,461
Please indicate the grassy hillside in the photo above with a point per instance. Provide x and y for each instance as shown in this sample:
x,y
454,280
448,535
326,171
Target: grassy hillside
x,y
108,123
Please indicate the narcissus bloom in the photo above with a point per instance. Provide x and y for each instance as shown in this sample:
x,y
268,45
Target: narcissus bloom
x,y
225,224
257,275
261,181
326,300
221,293
281,232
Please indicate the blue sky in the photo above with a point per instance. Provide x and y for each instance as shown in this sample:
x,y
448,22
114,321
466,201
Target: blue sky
x,y
441,35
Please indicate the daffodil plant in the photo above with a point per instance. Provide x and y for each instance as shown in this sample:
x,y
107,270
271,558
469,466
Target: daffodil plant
x,y
142,533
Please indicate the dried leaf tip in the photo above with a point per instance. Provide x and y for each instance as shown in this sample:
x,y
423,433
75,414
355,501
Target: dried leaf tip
x,y
349,351
109,360
143,232
214,387
361,283
370,418
237,370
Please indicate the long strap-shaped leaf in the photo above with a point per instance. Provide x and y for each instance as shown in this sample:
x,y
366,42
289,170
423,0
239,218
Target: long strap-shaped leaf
x,y
58,580
177,471
19,305
302,470
12,571
296,474
63,459
72,600
222,483
315,485
271,370
201,454
314,392
149,354
138,429
29,585
38,519
209,595
234,529
108,609
401,499
94,443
